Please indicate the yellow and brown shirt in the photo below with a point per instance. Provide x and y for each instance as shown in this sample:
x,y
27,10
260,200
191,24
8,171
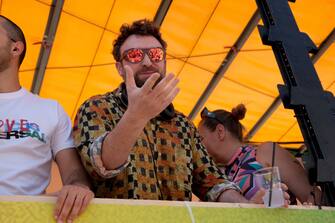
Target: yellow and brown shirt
x,y
167,162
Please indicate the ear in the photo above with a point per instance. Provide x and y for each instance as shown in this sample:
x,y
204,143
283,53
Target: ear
x,y
120,69
17,48
221,132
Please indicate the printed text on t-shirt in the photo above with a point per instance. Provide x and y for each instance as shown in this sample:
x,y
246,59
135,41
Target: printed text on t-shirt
x,y
21,128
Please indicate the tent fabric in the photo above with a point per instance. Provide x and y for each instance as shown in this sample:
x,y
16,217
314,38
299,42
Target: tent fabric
x,y
199,35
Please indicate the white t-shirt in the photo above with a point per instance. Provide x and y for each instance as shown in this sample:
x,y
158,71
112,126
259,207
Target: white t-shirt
x,y
32,131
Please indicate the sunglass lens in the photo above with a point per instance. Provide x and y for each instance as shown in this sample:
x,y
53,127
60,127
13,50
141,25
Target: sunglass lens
x,y
156,54
135,55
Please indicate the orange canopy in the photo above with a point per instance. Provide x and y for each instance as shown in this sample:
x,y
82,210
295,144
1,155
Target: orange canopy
x,y
199,35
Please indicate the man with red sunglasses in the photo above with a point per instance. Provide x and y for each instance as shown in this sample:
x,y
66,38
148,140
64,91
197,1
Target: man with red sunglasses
x,y
133,143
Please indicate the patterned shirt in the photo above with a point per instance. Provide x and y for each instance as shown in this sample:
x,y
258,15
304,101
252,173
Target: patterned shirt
x,y
167,162
240,170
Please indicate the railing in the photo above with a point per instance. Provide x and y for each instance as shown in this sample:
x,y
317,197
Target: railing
x,y
39,209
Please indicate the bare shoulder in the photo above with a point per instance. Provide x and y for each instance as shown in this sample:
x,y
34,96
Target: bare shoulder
x,y
265,145
267,148
265,151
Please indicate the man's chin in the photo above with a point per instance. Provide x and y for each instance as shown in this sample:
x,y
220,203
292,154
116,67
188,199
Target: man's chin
x,y
141,82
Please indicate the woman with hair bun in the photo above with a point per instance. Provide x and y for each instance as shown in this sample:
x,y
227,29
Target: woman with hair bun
x,y
222,134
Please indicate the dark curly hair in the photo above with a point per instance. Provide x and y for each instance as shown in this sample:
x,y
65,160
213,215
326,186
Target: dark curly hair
x,y
230,120
140,27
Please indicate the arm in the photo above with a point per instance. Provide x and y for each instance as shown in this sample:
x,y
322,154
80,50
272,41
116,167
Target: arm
x,y
291,172
70,168
245,180
105,136
75,195
232,196
118,143
144,104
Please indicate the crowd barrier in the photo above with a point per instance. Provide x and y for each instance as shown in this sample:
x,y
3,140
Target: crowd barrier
x,y
37,209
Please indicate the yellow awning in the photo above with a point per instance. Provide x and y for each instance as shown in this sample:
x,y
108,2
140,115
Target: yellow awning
x,y
199,35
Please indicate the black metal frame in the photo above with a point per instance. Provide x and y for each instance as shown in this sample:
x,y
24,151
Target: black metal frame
x,y
314,108
324,46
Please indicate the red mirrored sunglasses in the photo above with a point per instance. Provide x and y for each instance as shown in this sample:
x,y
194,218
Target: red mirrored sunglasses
x,y
136,55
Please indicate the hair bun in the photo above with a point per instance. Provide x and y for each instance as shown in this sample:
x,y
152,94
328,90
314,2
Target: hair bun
x,y
238,112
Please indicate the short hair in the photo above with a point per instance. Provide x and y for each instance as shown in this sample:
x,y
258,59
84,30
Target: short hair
x,y
230,120
15,33
142,27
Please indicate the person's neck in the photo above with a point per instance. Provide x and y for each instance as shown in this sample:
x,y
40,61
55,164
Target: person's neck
x,y
9,80
229,149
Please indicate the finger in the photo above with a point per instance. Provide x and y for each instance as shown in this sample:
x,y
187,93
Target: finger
x,y
284,187
167,88
286,203
286,199
169,98
130,80
76,207
87,199
60,202
68,204
150,82
286,196
167,91
164,82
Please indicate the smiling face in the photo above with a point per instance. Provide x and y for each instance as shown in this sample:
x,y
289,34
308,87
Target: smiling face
x,y
145,68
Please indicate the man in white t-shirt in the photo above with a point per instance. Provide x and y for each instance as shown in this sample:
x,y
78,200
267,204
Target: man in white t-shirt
x,y
33,131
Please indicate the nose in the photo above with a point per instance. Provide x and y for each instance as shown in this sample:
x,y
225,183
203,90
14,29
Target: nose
x,y
146,61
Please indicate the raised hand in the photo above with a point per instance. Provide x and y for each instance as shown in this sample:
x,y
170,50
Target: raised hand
x,y
150,99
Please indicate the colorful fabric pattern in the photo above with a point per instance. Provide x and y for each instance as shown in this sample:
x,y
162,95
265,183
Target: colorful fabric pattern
x,y
240,170
167,162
